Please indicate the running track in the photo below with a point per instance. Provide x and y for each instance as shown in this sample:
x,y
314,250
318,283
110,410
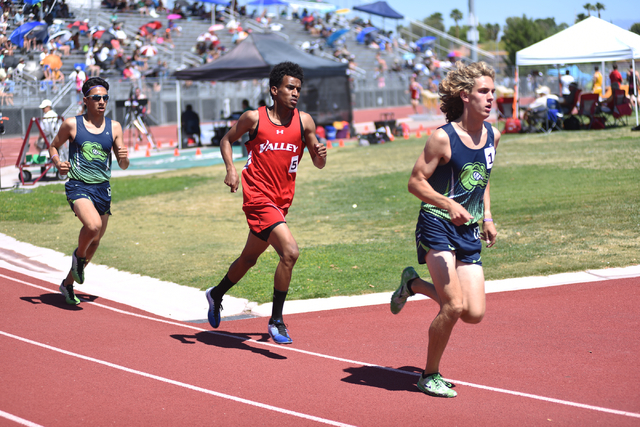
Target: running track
x,y
564,355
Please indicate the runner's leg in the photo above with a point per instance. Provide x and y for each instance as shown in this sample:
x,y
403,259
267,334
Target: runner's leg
x,y
442,267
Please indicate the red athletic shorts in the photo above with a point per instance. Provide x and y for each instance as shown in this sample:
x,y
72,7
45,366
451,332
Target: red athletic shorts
x,y
262,217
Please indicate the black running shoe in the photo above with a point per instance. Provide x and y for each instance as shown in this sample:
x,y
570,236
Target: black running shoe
x,y
77,267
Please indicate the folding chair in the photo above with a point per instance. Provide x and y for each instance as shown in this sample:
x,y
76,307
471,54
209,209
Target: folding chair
x,y
553,120
587,107
505,108
621,108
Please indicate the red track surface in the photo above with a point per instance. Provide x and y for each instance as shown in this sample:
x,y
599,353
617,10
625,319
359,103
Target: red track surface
x,y
565,355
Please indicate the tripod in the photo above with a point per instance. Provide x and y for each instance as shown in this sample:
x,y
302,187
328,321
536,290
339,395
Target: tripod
x,y
134,117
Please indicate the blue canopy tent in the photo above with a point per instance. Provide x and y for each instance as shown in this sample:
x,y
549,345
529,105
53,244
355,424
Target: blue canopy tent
x,y
215,3
17,36
379,8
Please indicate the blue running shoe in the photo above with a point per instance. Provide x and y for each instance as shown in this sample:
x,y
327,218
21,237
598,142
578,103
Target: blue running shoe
x,y
77,267
214,310
278,331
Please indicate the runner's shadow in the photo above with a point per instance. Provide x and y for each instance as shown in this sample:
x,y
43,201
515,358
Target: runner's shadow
x,y
382,378
228,340
58,301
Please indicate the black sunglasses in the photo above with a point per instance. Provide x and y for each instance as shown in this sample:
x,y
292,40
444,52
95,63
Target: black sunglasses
x,y
98,97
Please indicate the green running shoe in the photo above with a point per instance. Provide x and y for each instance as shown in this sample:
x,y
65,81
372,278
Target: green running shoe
x,y
69,294
77,267
399,297
435,385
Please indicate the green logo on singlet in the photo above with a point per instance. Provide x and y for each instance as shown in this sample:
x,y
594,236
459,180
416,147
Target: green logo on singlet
x,y
93,151
473,175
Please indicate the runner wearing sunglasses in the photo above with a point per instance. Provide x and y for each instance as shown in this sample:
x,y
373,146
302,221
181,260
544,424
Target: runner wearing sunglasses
x,y
92,137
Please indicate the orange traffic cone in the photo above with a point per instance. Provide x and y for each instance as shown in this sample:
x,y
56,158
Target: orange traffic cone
x,y
421,128
341,143
405,135
428,131
418,133
198,152
176,152
329,145
135,147
159,143
148,145
147,154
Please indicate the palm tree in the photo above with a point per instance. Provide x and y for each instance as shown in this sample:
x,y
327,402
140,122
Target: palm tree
x,y
589,7
599,7
456,15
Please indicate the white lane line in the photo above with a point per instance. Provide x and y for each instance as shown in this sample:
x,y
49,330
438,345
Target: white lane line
x,y
353,362
18,420
178,383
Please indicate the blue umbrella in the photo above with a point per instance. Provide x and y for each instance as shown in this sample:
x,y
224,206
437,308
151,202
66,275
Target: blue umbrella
x,y
268,3
336,35
17,37
425,40
32,2
361,35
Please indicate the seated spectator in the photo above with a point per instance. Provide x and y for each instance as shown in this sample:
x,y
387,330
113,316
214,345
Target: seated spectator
x,y
568,101
538,108
5,96
90,64
57,77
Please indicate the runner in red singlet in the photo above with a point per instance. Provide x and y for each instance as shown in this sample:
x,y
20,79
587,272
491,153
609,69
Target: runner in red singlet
x,y
278,136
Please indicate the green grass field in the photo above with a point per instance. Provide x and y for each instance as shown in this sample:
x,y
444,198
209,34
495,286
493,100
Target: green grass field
x,y
564,202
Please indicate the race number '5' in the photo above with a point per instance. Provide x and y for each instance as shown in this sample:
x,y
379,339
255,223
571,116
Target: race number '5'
x,y
293,167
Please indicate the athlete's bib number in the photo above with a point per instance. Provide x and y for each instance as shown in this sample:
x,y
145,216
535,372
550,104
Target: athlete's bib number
x,y
293,167
490,155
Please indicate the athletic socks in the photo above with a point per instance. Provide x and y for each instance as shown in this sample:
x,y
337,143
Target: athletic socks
x,y
409,287
278,304
218,292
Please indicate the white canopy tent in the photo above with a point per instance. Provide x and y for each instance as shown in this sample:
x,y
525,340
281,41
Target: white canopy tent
x,y
590,40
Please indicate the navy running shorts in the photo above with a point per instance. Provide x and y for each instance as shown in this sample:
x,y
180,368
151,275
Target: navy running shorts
x,y
442,235
99,194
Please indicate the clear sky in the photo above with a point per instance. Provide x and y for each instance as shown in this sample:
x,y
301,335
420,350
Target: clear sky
x,y
621,12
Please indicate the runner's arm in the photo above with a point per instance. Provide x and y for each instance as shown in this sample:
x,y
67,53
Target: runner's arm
x,y
489,232
246,123
121,152
436,151
65,133
317,151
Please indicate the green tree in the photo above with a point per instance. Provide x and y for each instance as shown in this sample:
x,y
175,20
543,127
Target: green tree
x,y
580,17
520,33
635,28
599,7
589,7
550,27
456,15
460,32
435,20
